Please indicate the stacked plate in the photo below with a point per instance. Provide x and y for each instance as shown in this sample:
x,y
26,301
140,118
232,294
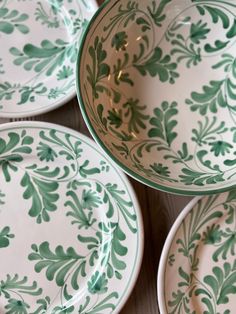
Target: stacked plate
x,y
156,84
39,48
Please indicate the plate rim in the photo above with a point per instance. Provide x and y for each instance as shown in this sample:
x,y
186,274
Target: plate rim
x,y
122,166
140,235
34,113
55,104
165,252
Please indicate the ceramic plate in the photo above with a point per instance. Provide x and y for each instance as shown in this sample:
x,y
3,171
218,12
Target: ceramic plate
x,y
71,232
39,46
197,271
157,87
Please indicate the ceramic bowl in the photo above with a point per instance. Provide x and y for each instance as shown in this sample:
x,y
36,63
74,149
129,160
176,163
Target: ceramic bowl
x,y
157,87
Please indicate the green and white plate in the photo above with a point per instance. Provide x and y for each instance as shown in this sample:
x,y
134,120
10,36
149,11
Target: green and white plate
x,y
157,88
39,46
71,235
197,272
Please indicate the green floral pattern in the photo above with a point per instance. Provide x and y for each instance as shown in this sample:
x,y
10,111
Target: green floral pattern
x,y
44,63
5,237
137,98
61,192
201,277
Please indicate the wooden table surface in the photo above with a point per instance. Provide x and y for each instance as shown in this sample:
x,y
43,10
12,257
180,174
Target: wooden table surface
x,y
159,213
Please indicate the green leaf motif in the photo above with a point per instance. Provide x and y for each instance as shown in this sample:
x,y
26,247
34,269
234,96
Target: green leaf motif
x,y
85,171
190,53
164,123
221,93
99,68
123,205
46,58
117,249
120,75
119,41
124,16
191,235
101,306
64,73
198,32
184,154
208,132
108,244
60,90
98,283
46,152
45,18
9,163
232,31
77,25
231,196
193,177
222,283
15,306
70,150
114,117
228,62
90,199
159,65
211,97
43,305
202,156
220,148
212,235
219,45
216,14
160,169
78,213
135,114
43,195
28,93
14,284
227,246
7,90
11,20
11,152
157,11
230,162
56,6
5,237
58,265
179,303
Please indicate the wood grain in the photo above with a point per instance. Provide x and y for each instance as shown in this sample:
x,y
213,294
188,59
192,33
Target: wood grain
x,y
159,212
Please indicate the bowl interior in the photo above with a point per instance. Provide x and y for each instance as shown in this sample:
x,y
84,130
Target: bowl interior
x,y
158,89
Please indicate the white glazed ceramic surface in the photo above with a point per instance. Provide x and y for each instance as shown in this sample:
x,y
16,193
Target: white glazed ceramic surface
x,y
157,87
197,272
71,235
39,47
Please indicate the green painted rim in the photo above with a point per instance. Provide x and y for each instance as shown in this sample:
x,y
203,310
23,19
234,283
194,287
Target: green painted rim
x,y
130,191
96,137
